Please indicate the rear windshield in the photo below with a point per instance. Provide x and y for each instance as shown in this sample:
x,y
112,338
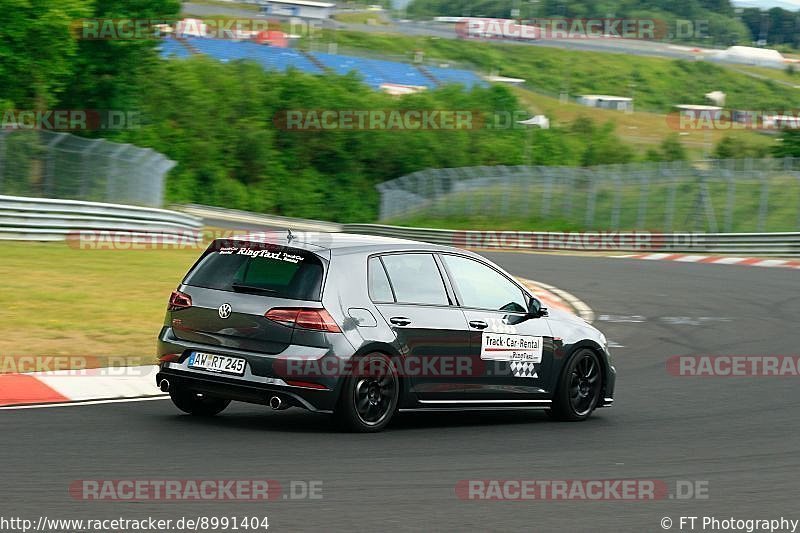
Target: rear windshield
x,y
259,269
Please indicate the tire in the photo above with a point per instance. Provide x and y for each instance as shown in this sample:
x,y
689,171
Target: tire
x,y
579,387
194,404
369,396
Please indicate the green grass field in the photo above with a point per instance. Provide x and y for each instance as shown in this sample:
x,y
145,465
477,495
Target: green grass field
x,y
59,300
372,18
642,130
656,83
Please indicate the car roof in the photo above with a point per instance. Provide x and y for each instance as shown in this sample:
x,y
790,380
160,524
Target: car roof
x,y
343,243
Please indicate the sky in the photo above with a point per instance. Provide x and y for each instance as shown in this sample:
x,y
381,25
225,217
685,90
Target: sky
x,y
791,5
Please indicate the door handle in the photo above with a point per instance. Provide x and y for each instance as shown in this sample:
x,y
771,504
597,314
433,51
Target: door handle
x,y
478,324
400,321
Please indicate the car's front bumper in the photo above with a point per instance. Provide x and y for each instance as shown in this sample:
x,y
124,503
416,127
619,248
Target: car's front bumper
x,y
607,400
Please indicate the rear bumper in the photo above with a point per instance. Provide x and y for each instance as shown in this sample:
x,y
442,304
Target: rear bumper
x,y
320,401
258,384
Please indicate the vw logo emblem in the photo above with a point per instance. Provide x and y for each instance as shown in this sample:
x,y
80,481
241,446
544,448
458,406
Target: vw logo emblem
x,y
224,310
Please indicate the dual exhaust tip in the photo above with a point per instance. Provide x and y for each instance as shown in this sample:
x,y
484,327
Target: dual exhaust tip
x,y
275,402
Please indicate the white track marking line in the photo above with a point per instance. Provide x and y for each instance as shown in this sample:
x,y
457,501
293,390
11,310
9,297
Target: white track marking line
x,y
691,258
77,404
655,257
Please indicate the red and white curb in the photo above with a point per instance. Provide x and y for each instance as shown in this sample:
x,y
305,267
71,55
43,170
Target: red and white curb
x,y
78,386
554,297
715,260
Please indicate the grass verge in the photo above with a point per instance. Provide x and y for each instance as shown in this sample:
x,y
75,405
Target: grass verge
x,y
100,304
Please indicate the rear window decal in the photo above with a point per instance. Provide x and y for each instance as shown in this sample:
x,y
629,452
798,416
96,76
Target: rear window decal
x,y
266,254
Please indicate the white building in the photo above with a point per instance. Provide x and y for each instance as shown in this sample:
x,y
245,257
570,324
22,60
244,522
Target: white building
x,y
618,103
716,97
298,8
692,114
748,55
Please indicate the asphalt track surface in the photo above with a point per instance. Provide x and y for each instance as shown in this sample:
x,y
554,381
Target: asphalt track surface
x,y
738,434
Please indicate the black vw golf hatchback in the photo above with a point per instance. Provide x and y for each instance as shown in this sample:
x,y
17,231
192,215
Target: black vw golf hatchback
x,y
363,327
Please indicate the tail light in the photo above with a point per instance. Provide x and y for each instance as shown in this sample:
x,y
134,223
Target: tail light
x,y
315,319
178,300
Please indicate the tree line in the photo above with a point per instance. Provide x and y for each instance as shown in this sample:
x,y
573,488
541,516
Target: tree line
x,y
221,121
723,23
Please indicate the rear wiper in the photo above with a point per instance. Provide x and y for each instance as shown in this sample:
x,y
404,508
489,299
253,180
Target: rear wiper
x,y
242,287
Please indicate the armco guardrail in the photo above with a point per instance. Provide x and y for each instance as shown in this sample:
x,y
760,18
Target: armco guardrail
x,y
756,244
45,219
214,214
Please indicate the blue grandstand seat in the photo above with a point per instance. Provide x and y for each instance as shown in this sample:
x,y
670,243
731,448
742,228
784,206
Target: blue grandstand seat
x,y
374,72
173,48
270,57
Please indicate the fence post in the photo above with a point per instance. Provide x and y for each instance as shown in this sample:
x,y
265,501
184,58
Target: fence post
x,y
548,194
166,165
49,170
731,203
669,215
94,143
763,207
591,198
798,204
111,179
617,200
507,188
644,189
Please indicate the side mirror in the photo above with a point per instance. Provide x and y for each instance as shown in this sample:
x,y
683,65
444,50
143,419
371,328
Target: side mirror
x,y
535,309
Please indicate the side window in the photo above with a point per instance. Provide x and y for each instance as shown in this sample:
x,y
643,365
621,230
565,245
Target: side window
x,y
379,288
483,287
416,279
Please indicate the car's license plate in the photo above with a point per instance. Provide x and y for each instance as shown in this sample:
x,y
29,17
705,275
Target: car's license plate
x,y
217,363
